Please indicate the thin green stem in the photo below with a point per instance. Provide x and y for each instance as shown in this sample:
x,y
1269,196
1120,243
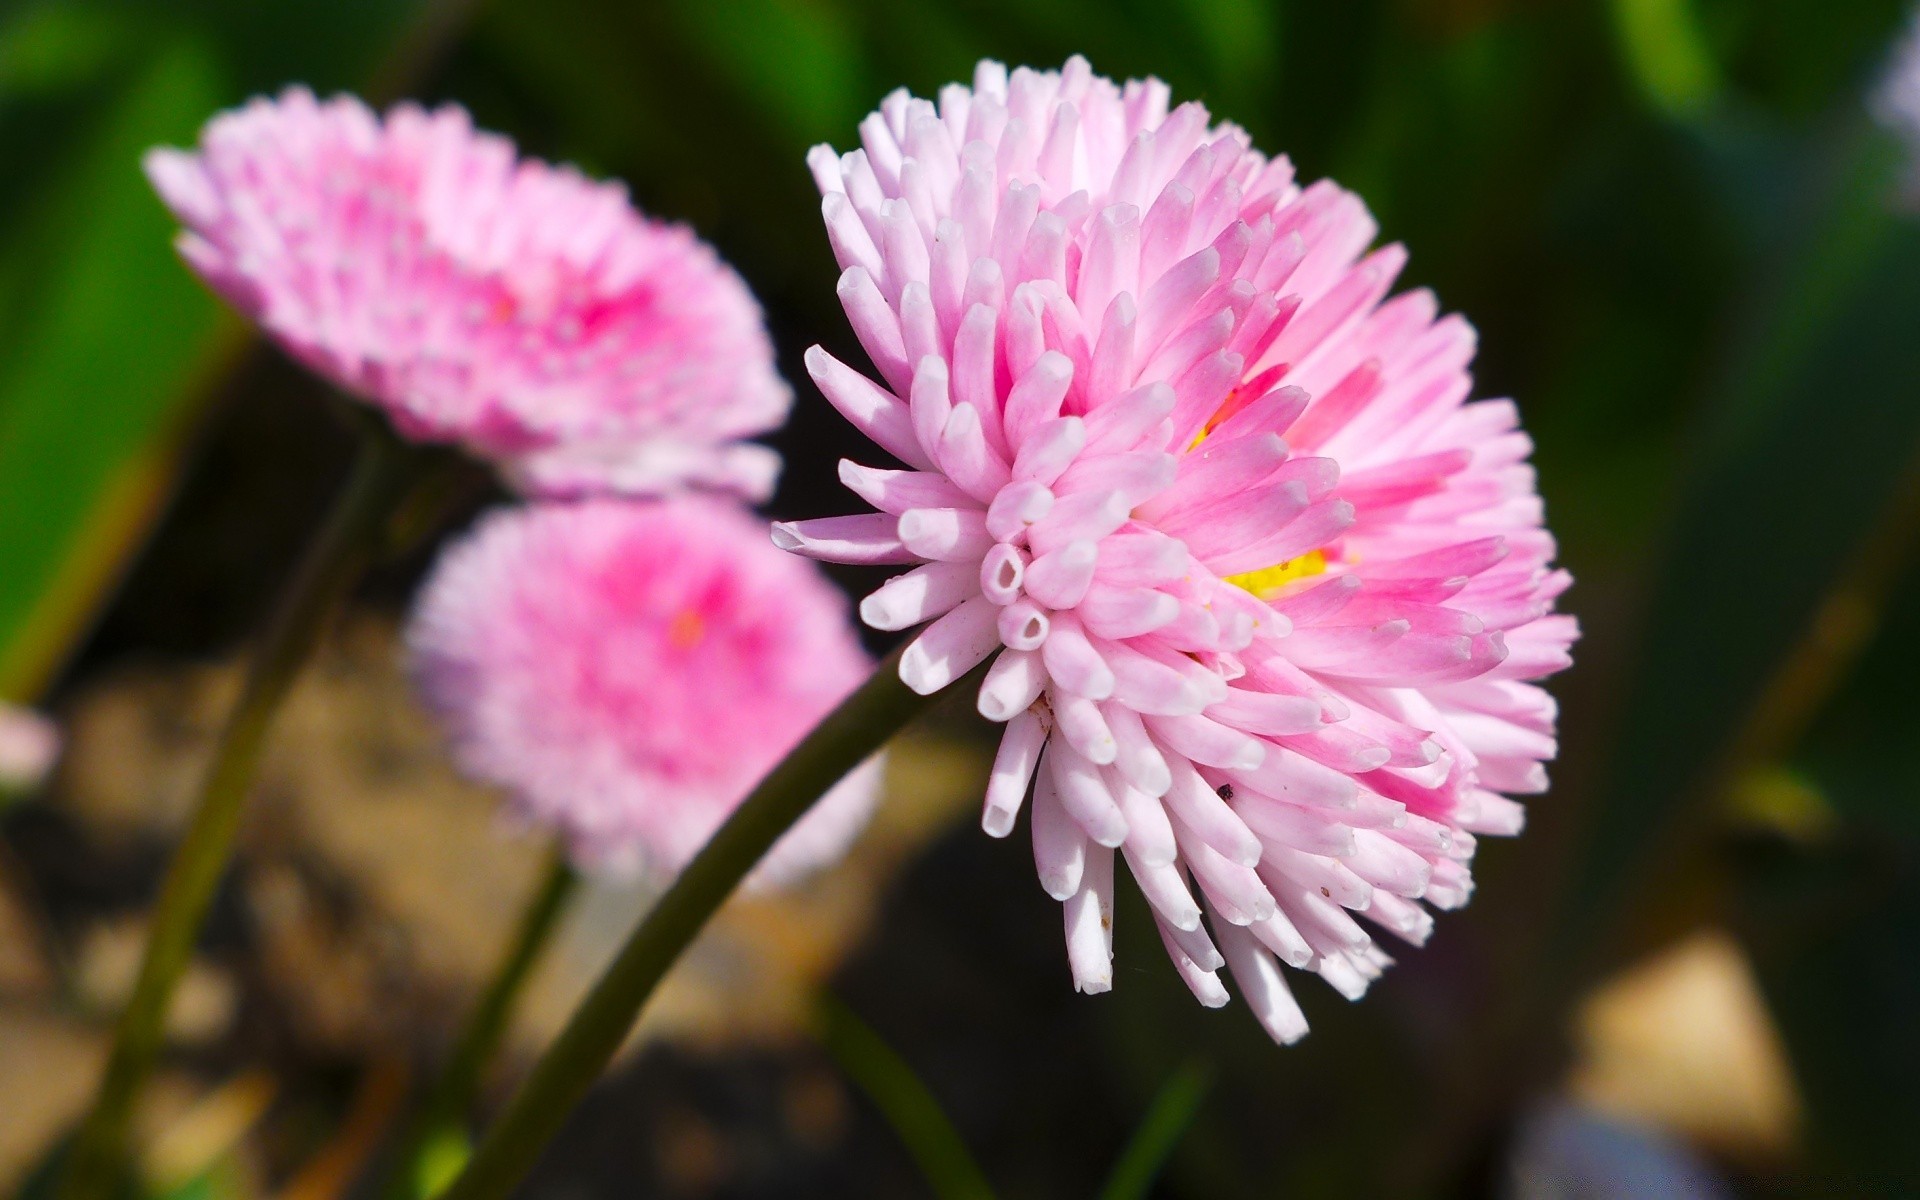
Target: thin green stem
x,y
905,1101
1159,1134
862,723
454,1090
350,539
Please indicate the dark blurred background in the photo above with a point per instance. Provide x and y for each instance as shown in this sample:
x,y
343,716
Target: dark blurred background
x,y
1678,232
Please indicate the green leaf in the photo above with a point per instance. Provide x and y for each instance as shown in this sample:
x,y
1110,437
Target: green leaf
x,y
1153,1143
1806,446
441,1159
904,1101
1668,54
796,58
107,342
50,48
91,394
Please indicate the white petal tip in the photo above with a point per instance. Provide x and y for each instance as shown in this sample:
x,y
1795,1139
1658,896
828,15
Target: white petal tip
x,y
1093,987
784,535
918,674
997,822
1112,837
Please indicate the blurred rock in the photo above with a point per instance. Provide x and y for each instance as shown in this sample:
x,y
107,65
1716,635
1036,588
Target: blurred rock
x,y
1683,1043
109,958
1568,1152
62,1059
137,743
191,1142
753,974
51,1063
378,886
24,969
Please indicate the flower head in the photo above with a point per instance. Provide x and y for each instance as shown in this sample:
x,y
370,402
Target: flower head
x,y
628,671
521,310
1263,592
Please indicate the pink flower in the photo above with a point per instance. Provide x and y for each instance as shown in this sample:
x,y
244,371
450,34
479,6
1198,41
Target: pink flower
x,y
520,310
628,671
29,745
1263,594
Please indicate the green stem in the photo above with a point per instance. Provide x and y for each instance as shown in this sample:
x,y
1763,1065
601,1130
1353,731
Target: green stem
x,y
446,1103
861,725
348,541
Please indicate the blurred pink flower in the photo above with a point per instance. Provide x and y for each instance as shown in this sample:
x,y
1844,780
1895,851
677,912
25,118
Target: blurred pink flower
x,y
1293,672
29,744
521,310
1896,104
628,671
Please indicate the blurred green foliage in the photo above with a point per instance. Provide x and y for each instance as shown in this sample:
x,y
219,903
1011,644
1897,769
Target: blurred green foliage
x,y
105,343
1670,221
902,1097
1166,1122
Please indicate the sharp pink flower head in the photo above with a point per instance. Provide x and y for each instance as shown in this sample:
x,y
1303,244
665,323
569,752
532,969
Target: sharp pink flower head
x,y
518,309
628,671
1263,593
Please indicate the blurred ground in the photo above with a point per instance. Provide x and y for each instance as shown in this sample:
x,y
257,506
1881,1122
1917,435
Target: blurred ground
x,y
370,895
369,899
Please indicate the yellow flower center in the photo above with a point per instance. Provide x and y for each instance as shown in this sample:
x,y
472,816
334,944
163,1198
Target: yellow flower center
x,y
1267,581
686,629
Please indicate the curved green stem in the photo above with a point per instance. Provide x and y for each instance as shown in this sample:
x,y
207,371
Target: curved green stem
x,y
454,1090
862,723
350,539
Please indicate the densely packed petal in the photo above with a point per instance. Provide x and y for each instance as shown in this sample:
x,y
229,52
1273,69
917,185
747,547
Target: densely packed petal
x,y
521,310
1265,596
628,671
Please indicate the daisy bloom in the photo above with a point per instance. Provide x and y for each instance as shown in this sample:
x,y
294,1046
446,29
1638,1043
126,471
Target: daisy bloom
x,y
1263,593
628,671
520,310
